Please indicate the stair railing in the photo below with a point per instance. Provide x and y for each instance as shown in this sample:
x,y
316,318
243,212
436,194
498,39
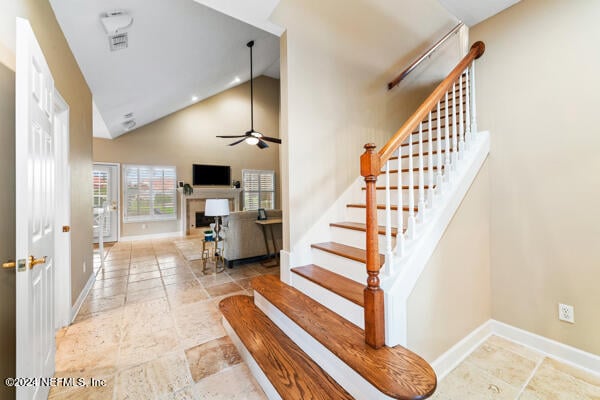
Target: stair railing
x,y
456,133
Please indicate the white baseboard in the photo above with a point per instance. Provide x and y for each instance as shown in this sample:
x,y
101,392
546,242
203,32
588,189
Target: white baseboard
x,y
164,235
457,353
255,369
567,354
551,348
82,296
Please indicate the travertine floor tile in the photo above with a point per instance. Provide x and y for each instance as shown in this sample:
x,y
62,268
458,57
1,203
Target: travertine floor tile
x,y
212,357
170,373
144,285
468,382
235,383
223,289
515,348
142,276
503,364
556,381
143,296
198,323
185,293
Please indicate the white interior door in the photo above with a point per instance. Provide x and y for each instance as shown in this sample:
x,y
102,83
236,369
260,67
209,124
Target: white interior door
x,y
106,191
35,194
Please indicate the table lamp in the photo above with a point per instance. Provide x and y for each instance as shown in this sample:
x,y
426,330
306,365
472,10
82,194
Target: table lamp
x,y
216,208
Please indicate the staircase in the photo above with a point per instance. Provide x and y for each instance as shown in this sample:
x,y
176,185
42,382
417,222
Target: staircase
x,y
325,336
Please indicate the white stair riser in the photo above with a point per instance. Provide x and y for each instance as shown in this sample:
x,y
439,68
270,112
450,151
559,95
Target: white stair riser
x,y
349,379
393,196
354,238
434,143
347,309
340,265
358,215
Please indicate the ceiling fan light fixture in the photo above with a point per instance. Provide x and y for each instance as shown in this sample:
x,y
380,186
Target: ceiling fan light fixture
x,y
252,141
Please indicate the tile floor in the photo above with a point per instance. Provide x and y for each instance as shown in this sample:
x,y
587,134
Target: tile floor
x,y
503,370
151,329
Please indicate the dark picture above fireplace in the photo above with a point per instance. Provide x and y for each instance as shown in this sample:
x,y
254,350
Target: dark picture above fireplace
x,y
211,175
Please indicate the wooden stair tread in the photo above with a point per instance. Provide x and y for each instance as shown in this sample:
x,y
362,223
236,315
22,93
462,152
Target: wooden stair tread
x,y
289,369
404,187
416,155
357,226
396,372
338,284
352,253
415,169
382,207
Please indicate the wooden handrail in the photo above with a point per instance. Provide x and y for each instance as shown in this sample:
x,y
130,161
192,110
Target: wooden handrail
x,y
371,163
413,121
422,58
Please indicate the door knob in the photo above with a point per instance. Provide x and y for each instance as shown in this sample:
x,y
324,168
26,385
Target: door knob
x,y
35,261
9,264
66,228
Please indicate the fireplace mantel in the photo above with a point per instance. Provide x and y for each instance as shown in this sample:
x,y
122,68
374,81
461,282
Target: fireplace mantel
x,y
203,193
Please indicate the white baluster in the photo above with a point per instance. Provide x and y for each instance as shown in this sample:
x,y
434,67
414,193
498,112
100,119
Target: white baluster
x,y
439,149
461,120
421,207
454,129
430,162
400,216
410,229
388,219
447,145
468,110
473,103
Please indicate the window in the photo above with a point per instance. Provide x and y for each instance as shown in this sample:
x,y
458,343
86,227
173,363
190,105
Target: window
x,y
149,193
259,189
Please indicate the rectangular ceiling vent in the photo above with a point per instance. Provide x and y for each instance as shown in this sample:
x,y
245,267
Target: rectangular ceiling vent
x,y
119,41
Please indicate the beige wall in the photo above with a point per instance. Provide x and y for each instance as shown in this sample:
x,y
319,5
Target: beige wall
x,y
453,294
337,57
188,136
70,83
7,229
538,95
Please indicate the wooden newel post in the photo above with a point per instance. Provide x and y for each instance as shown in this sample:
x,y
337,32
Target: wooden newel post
x,y
370,167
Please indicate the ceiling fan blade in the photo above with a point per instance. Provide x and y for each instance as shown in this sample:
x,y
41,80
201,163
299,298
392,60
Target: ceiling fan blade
x,y
262,145
232,137
267,138
237,142
270,139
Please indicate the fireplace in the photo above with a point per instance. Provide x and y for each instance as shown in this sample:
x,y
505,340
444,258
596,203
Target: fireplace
x,y
192,204
202,220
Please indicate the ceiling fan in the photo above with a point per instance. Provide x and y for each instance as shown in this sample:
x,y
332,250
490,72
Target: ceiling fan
x,y
252,137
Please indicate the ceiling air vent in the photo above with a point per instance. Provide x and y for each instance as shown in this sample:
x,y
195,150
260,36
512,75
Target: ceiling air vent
x,y
118,42
115,23
129,124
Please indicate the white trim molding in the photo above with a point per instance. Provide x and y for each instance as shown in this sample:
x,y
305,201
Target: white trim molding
x,y
163,235
550,348
86,289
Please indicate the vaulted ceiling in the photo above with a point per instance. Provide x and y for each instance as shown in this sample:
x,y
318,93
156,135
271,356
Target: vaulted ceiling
x,y
179,52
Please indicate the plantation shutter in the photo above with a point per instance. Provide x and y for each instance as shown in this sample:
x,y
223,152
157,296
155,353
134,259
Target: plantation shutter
x,y
259,189
149,193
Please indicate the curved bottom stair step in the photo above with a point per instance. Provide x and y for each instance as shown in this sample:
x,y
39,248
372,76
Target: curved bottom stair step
x,y
338,284
293,374
394,372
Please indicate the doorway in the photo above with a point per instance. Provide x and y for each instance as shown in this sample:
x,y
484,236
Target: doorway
x,y
62,221
106,201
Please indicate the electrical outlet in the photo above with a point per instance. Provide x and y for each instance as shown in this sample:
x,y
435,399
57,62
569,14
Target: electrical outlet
x,y
566,313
